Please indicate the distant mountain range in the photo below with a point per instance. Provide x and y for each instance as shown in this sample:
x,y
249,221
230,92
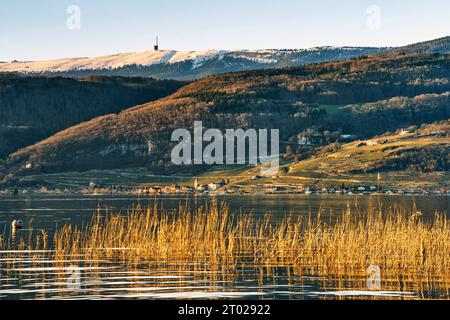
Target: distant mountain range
x,y
184,65
188,65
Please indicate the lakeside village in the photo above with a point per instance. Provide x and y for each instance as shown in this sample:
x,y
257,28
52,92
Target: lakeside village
x,y
222,188
226,188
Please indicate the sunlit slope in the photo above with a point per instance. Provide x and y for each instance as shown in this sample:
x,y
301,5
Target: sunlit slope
x,y
377,154
402,160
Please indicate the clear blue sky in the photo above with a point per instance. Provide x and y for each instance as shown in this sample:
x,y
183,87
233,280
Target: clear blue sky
x,y
31,30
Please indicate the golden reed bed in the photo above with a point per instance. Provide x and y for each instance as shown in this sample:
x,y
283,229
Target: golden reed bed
x,y
406,247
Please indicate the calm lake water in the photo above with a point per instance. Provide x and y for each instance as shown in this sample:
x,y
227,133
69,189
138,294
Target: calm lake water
x,y
45,279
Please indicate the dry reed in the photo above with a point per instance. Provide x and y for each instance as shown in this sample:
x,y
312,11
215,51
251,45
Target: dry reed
x,y
400,242
396,240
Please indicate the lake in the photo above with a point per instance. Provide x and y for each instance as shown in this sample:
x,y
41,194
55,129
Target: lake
x,y
45,279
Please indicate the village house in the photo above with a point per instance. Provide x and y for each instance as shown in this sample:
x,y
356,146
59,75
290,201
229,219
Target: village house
x,y
404,132
154,190
214,186
348,137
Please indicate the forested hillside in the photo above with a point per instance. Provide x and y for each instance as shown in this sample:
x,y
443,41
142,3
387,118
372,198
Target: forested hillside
x,y
441,45
397,112
33,108
361,97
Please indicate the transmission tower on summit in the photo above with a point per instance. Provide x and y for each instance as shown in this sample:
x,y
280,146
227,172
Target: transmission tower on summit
x,y
157,44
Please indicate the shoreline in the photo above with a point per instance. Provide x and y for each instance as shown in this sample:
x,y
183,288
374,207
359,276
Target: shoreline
x,y
213,194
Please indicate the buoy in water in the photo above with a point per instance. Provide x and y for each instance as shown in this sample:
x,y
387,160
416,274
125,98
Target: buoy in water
x,y
17,224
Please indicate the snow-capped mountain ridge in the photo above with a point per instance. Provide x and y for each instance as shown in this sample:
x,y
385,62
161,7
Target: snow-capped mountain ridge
x,y
187,65
148,58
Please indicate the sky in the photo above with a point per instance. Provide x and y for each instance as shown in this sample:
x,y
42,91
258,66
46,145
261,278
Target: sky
x,y
49,29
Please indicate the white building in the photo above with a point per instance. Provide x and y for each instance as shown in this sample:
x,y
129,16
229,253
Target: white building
x,y
214,186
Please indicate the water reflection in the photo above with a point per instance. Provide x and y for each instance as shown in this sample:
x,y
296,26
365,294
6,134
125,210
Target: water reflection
x,y
109,280
31,274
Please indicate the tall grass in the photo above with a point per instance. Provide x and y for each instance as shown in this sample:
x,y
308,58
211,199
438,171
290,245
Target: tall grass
x,y
396,240
400,242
